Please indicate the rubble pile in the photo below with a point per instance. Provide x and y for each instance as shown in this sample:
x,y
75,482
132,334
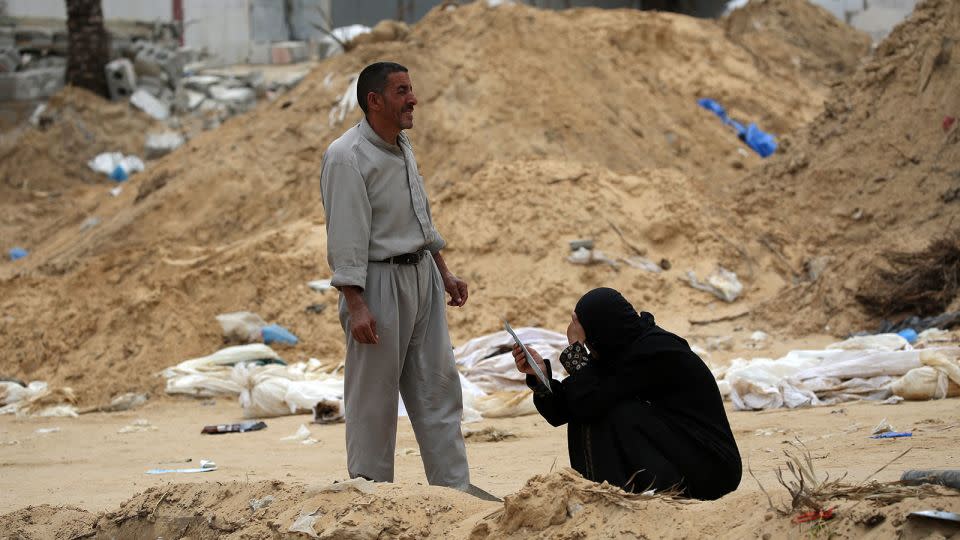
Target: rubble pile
x,y
559,126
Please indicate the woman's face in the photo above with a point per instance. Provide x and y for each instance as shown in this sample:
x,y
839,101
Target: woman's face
x,y
575,331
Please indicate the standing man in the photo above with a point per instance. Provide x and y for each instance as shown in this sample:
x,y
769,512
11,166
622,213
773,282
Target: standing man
x,y
385,256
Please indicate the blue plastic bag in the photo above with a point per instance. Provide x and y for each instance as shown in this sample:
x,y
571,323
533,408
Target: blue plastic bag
x,y
119,174
274,333
761,142
908,334
17,253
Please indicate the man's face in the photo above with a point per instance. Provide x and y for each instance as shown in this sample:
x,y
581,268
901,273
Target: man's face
x,y
399,100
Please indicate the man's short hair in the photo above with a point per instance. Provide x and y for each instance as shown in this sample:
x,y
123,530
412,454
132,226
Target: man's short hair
x,y
373,78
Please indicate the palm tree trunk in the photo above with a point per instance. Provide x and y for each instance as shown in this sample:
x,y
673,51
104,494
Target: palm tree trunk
x,y
88,46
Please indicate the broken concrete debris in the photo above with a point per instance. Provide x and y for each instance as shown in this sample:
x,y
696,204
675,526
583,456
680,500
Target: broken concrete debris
x,y
161,144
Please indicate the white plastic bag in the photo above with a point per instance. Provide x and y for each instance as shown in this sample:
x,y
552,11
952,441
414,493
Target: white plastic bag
x,y
242,326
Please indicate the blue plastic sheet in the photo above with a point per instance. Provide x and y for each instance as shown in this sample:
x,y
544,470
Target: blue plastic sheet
x,y
759,141
274,333
892,435
17,253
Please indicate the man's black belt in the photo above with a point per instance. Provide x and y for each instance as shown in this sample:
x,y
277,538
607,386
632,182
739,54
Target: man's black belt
x,y
406,258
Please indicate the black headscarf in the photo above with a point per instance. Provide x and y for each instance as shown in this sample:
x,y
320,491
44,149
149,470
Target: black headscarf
x,y
611,323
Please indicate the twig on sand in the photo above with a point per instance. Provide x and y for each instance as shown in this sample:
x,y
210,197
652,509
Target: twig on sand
x,y
638,250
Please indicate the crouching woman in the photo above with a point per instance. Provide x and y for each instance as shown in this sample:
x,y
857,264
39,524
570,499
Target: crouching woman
x,y
643,411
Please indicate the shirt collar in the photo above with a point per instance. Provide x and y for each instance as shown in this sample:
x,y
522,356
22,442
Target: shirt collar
x,y
367,131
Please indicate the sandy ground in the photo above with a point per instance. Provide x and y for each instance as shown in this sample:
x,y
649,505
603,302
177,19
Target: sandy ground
x,y
88,464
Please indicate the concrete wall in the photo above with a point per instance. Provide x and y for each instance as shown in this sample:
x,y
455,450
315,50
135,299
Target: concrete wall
x,y
875,17
112,9
222,27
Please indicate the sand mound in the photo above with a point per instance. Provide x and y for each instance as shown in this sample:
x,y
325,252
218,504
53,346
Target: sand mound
x,y
797,38
45,182
557,505
873,173
232,220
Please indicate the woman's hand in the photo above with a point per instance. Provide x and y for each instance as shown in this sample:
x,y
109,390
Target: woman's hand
x,y
575,331
521,360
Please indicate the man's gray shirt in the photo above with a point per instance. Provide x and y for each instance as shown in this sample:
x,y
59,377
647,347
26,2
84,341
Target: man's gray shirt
x,y
375,203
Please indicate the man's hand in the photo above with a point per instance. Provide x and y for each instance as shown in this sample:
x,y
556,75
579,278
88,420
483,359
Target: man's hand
x,y
363,327
521,360
457,288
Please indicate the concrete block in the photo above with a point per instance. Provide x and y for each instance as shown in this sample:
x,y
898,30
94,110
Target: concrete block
x,y
146,102
289,52
153,61
160,144
200,83
237,99
9,59
31,84
121,80
259,52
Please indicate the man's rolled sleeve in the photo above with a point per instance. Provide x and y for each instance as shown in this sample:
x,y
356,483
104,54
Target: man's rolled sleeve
x,y
435,244
348,211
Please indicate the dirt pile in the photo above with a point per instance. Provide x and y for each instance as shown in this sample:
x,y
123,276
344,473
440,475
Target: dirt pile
x,y
44,177
875,172
557,505
796,38
583,122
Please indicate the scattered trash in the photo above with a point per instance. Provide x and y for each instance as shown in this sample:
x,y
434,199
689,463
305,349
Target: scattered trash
x,y
762,143
116,191
303,435
815,515
948,122
274,333
936,514
242,427
17,253
205,466
892,400
722,283
242,326
908,334
304,523
45,431
882,427
138,426
892,435
643,263
257,504
320,285
248,327
949,478
115,165
590,256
